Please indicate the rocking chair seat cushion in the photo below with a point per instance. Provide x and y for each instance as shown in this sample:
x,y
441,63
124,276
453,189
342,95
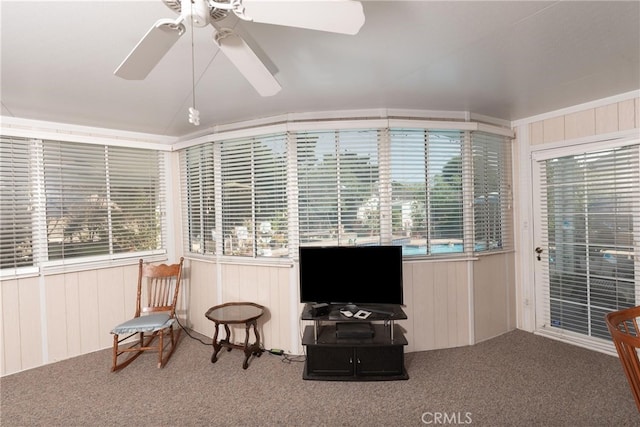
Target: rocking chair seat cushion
x,y
149,323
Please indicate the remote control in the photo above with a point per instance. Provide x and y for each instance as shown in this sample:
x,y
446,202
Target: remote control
x,y
346,313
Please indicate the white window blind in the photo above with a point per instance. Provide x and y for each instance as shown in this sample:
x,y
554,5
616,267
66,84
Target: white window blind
x,y
590,208
102,200
338,187
409,187
254,196
427,191
16,207
197,173
492,196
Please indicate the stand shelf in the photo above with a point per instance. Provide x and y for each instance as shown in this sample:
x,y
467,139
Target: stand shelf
x,y
376,358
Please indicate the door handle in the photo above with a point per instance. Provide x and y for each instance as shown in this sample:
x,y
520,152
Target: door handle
x,y
539,251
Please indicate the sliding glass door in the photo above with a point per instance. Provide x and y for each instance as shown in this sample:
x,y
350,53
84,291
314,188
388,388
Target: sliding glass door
x,y
587,237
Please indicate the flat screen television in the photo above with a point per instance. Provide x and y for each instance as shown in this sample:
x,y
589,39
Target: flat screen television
x,y
358,275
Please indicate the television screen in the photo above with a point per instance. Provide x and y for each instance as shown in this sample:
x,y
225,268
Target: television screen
x,y
351,274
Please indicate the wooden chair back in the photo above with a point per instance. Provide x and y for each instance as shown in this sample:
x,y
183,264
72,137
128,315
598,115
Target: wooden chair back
x,y
158,288
623,327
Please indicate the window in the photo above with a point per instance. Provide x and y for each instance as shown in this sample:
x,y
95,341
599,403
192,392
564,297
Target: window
x,y
101,200
339,187
75,201
491,192
198,179
426,187
254,196
16,209
434,192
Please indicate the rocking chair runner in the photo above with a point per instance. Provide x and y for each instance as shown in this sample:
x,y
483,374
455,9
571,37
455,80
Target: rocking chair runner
x,y
157,296
623,326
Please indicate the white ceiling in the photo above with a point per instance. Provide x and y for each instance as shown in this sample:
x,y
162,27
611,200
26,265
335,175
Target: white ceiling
x,y
505,59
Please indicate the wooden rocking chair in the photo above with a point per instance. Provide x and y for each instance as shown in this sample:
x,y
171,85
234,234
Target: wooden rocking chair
x,y
154,319
623,326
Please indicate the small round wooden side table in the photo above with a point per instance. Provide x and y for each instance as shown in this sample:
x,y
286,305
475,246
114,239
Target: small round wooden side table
x,y
236,313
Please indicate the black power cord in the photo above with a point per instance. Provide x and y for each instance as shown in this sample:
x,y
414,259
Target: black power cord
x,y
191,336
287,358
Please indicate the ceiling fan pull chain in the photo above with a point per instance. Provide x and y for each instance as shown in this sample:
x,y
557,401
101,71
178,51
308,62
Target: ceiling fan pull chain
x,y
194,114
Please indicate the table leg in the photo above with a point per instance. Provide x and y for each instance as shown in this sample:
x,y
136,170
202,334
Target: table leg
x,y
253,349
247,349
258,349
227,340
216,345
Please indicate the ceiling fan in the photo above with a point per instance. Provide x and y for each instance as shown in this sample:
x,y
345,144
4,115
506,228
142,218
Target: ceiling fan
x,y
337,16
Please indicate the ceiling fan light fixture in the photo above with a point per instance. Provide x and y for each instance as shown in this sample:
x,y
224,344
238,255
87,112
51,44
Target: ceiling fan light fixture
x,y
196,12
217,12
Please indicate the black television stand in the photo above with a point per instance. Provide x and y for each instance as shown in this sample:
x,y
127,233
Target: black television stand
x,y
355,356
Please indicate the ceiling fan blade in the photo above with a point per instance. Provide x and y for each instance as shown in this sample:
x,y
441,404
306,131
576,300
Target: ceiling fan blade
x,y
247,62
336,16
150,50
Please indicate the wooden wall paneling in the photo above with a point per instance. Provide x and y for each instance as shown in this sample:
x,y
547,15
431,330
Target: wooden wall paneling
x,y
30,315
484,297
269,296
111,308
511,289
264,296
57,327
10,316
282,302
453,305
250,280
423,303
230,286
272,291
580,124
72,314
491,296
536,131
461,280
441,309
626,114
607,119
201,288
194,291
482,305
553,129
130,289
89,316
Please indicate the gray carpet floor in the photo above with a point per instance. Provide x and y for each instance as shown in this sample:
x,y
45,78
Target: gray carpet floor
x,y
517,379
